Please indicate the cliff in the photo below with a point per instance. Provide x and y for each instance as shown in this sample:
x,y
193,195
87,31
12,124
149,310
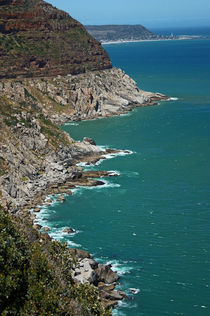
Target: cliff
x,y
38,40
38,159
36,152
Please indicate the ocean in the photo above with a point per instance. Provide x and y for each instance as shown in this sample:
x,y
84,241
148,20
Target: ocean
x,y
152,222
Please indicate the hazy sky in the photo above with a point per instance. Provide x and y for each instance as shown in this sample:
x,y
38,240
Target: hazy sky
x,y
150,13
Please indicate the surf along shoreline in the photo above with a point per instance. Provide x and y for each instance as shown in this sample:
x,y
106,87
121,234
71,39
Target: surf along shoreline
x,y
178,38
87,270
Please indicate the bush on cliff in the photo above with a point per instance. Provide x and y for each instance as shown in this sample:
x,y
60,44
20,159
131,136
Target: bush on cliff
x,y
35,277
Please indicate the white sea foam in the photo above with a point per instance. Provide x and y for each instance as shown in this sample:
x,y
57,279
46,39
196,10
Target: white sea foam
x,y
105,156
119,267
114,173
60,235
73,244
134,290
106,185
127,114
124,304
82,164
173,99
113,155
117,312
131,174
120,153
71,123
102,147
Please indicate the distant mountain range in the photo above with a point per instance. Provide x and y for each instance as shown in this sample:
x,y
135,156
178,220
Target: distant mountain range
x,y
113,33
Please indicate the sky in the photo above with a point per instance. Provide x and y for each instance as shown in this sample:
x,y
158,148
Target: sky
x,y
150,13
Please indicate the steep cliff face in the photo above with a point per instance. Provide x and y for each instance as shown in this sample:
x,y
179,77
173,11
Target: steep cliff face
x,y
36,39
34,152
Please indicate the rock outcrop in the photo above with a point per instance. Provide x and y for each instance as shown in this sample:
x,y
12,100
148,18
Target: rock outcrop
x,y
87,270
38,40
33,149
85,96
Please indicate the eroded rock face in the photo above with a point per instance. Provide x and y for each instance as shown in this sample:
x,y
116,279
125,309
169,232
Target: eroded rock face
x,y
84,96
37,152
36,39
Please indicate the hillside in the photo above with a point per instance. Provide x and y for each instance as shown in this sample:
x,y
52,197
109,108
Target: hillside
x,y
37,159
39,40
109,33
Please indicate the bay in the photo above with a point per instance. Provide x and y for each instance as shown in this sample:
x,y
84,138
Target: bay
x,y
152,222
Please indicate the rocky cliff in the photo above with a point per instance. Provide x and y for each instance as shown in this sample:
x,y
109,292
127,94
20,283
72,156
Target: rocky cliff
x,y
34,152
37,158
37,40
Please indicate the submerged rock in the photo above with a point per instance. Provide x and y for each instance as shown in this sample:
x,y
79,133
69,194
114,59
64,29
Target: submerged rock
x,y
69,231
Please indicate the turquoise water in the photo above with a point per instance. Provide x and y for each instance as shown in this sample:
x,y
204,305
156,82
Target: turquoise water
x,y
153,221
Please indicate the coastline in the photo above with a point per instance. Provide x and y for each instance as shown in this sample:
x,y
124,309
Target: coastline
x,y
56,168
98,274
180,38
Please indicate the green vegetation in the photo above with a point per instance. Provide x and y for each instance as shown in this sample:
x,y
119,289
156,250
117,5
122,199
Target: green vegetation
x,y
30,47
53,133
23,112
35,277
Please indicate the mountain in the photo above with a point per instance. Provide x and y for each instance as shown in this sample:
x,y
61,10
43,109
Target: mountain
x,y
37,40
106,33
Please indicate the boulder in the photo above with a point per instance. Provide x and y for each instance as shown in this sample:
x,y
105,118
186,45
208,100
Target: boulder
x,y
89,141
69,230
112,295
86,277
46,229
37,210
61,198
37,226
106,274
81,254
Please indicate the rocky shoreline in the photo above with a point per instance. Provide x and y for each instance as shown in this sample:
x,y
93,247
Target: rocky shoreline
x,y
52,72
38,159
85,269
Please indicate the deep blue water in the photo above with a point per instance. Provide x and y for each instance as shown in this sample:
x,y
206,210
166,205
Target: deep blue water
x,y
153,221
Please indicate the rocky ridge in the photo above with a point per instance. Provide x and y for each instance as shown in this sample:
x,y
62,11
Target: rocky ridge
x,y
125,33
78,97
106,33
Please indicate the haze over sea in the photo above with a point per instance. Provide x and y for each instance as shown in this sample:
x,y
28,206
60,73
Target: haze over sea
x,y
153,221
